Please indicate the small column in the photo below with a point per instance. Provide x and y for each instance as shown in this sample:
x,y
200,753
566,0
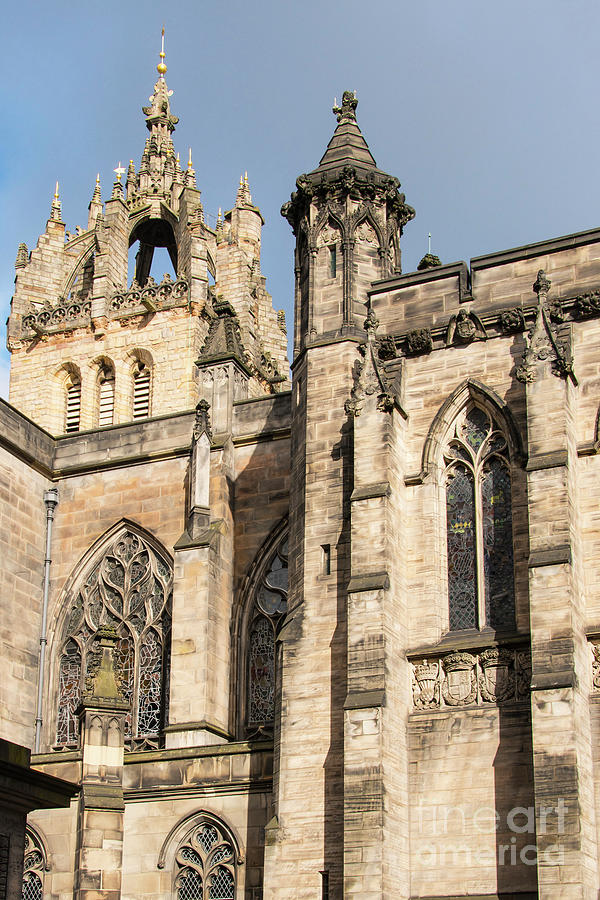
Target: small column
x,y
101,808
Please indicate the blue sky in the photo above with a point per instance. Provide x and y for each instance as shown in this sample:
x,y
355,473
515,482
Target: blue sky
x,y
487,112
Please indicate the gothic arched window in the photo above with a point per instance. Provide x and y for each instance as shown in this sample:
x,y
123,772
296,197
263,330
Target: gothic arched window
x,y
268,607
206,862
479,523
130,588
34,866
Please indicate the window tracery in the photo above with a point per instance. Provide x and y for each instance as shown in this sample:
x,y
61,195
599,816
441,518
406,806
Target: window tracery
x,y
269,607
130,588
34,865
479,523
206,864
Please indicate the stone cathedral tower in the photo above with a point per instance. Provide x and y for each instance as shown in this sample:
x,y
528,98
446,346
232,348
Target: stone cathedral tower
x,y
333,640
93,343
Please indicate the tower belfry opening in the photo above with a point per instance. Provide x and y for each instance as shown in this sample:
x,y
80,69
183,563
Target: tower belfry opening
x,y
146,238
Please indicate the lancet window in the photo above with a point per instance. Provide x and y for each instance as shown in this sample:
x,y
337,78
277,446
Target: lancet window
x,y
479,523
130,588
206,862
269,606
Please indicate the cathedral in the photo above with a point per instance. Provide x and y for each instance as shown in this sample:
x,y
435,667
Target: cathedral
x,y
326,636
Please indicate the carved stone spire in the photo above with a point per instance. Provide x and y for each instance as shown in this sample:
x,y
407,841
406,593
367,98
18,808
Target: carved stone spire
x,y
202,421
22,256
95,205
244,197
55,209
159,120
543,344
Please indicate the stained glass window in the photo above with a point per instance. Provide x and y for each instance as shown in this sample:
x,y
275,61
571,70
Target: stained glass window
x,y
130,588
34,864
261,675
460,511
206,865
270,604
479,524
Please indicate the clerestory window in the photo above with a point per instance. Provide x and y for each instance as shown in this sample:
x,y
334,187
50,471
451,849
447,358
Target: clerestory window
x,y
141,390
479,524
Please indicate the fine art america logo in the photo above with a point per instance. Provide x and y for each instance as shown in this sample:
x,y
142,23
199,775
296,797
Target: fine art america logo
x,y
449,835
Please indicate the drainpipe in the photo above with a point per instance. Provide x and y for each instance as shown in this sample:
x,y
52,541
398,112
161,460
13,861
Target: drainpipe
x,y
51,501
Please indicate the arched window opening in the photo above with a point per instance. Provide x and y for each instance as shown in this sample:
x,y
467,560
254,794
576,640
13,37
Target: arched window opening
x,y
479,524
34,866
152,252
141,390
73,404
268,608
106,395
130,588
206,862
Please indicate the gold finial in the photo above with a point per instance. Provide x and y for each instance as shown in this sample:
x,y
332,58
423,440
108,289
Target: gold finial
x,y
161,67
241,180
119,171
190,159
246,179
98,179
56,192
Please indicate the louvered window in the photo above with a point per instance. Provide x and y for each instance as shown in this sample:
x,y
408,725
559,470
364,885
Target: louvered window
x,y
141,391
73,410
106,398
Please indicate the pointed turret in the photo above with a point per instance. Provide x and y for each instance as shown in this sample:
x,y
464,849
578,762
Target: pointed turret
x,y
347,147
55,211
354,216
95,205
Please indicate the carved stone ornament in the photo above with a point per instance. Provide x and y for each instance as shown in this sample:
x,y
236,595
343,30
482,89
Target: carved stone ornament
x,y
460,685
429,261
595,648
497,678
426,685
369,375
512,321
202,421
542,342
496,675
587,305
464,328
419,341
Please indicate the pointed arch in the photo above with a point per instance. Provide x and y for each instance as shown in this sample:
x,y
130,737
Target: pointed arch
x,y
35,864
86,257
257,617
125,579
365,214
198,847
478,392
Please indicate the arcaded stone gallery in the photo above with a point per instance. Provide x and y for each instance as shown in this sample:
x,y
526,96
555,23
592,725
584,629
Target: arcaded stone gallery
x,y
334,636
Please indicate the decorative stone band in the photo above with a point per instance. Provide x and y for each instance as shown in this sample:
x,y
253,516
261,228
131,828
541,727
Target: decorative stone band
x,y
64,317
149,298
493,676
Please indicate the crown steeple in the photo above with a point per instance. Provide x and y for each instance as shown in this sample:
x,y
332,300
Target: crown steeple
x,y
159,120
